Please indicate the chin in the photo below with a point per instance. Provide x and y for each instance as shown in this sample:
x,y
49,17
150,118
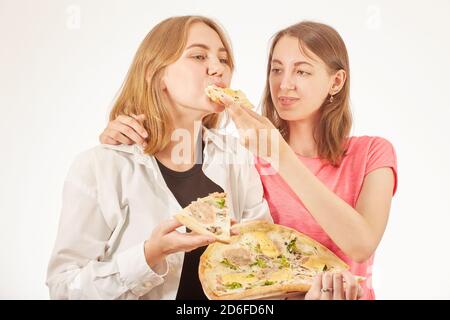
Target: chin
x,y
294,114
290,115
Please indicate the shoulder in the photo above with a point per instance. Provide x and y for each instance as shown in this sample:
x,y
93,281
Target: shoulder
x,y
103,152
87,164
374,152
369,145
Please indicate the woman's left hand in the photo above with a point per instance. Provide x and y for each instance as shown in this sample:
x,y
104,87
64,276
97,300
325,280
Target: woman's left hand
x,y
334,286
256,132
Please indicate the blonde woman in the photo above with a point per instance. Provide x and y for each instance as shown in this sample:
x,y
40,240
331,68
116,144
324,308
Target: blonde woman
x,y
329,185
116,238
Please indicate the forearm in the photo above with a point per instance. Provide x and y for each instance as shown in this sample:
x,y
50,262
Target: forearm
x,y
344,225
126,276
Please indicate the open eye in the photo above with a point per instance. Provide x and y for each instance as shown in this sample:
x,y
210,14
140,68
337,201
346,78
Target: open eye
x,y
303,73
224,60
275,70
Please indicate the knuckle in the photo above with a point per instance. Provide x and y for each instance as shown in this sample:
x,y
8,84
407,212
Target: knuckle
x,y
127,120
127,131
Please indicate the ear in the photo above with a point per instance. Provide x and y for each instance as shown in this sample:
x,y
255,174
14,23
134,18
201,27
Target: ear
x,y
337,82
162,82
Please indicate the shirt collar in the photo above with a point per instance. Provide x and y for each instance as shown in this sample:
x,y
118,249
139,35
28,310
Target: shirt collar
x,y
215,137
209,135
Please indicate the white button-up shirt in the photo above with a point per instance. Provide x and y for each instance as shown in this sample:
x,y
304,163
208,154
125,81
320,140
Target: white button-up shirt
x,y
113,197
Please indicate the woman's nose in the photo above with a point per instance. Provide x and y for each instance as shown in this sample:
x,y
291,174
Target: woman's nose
x,y
215,68
287,83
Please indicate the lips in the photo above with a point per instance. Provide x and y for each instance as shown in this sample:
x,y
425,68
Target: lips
x,y
219,84
286,101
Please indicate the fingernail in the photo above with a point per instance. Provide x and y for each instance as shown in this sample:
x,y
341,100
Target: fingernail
x,y
144,144
145,134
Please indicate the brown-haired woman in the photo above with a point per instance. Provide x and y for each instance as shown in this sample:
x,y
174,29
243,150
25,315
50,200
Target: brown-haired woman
x,y
333,187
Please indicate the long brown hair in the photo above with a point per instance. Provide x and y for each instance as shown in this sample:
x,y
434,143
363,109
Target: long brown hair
x,y
332,131
141,92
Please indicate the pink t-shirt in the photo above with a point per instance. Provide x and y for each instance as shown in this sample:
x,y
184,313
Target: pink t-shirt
x,y
364,155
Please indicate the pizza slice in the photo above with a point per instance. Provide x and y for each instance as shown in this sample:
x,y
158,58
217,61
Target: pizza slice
x,y
215,93
265,260
208,216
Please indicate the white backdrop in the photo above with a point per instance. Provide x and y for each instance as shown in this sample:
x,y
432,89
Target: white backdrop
x,y
62,62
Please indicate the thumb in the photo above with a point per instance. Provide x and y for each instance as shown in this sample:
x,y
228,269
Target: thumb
x,y
235,111
314,292
169,225
230,104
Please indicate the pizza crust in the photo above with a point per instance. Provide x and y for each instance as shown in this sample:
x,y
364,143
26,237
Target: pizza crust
x,y
192,224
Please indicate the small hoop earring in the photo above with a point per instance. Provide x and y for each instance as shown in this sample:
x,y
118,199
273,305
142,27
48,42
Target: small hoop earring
x,y
331,98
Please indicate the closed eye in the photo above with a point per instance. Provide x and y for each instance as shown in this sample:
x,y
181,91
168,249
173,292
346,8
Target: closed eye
x,y
199,57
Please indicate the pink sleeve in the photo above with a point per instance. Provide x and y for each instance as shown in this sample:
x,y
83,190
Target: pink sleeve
x,y
382,154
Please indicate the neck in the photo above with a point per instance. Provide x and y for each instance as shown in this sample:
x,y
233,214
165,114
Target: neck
x,y
301,138
182,151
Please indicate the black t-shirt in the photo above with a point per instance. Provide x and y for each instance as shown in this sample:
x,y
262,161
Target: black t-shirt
x,y
187,186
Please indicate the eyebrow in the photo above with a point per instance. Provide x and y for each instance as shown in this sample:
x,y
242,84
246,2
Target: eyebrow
x,y
203,46
295,64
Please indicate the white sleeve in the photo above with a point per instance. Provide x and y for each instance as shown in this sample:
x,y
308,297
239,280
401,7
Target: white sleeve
x,y
76,269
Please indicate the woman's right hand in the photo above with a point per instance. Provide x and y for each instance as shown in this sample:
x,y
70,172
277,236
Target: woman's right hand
x,y
125,130
165,240
334,286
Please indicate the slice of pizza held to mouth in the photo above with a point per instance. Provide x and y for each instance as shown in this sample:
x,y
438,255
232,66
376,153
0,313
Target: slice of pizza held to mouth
x,y
215,93
208,216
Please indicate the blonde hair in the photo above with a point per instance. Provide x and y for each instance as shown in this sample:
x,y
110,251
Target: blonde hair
x,y
333,129
142,93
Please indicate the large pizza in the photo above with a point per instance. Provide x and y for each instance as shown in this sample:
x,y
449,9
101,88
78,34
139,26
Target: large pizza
x,y
264,260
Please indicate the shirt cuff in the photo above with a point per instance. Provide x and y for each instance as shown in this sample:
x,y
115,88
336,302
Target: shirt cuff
x,y
136,273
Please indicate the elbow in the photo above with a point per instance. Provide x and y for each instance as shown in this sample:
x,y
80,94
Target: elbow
x,y
361,252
